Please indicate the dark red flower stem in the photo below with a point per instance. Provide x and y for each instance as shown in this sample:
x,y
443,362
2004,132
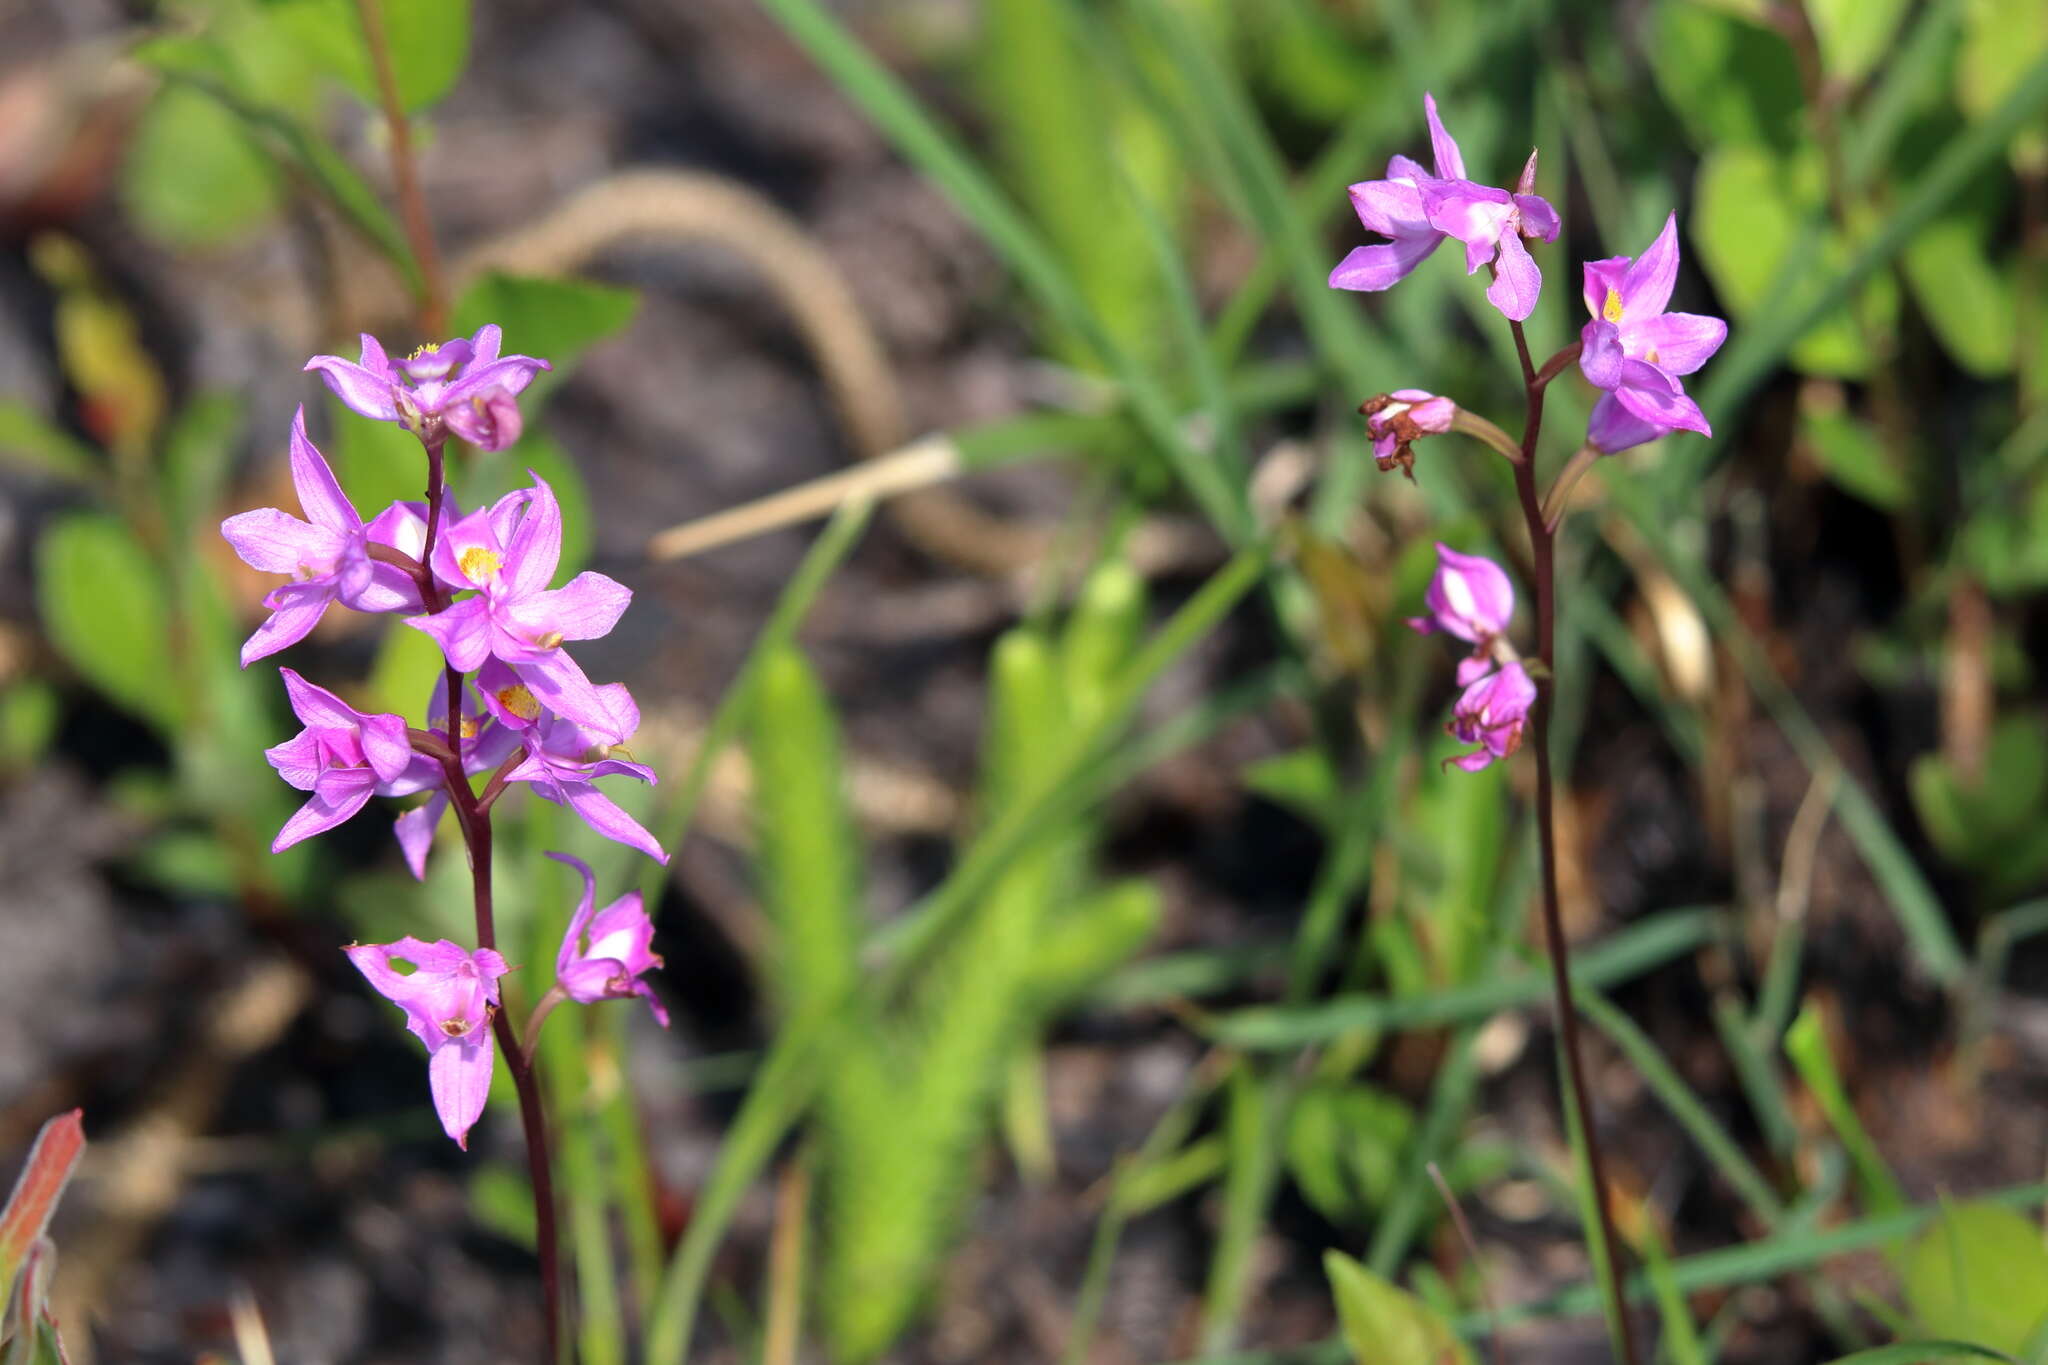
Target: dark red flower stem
x,y
1542,547
472,813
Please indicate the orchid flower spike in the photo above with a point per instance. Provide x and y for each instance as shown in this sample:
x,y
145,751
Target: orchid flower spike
x,y
1636,350
1471,598
327,555
343,757
1396,420
1491,713
463,387
620,951
507,554
448,998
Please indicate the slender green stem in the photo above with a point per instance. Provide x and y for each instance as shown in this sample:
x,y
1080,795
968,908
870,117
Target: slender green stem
x,y
1543,547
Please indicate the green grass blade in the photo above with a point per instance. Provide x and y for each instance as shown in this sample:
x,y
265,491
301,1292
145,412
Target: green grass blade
x,y
1618,957
912,934
1807,1045
933,151
827,552
1255,1110
1685,1106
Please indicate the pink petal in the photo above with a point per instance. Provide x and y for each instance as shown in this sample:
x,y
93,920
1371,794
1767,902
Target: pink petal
x,y
512,374
587,906
560,685
1613,427
605,816
585,608
484,346
386,748
1472,668
298,760
1647,287
321,497
1390,208
535,549
415,831
361,390
1383,265
300,607
1600,354
1474,214
489,421
1678,343
316,707
1517,280
1450,162
459,1075
1656,397
325,810
462,631
278,542
1539,219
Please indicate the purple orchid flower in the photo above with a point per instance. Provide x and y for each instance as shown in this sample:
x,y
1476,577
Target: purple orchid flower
x,y
483,744
507,553
343,757
447,998
327,555
1395,421
564,758
621,952
1492,223
1635,350
424,394
1470,597
1394,209
1491,714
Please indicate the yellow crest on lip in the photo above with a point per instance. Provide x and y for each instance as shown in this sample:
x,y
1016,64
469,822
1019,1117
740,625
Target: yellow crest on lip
x,y
1611,309
519,701
478,564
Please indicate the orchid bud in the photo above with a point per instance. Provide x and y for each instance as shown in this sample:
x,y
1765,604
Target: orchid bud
x,y
619,951
1396,420
1491,714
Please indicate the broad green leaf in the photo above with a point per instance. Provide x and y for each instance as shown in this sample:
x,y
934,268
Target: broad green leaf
x,y
2003,544
428,42
407,669
1854,456
1985,824
1344,1146
193,177
188,863
29,713
198,454
1979,1274
103,603
1854,34
1301,780
555,320
1385,1325
1747,215
501,1198
1732,82
1968,300
31,445
378,463
2002,40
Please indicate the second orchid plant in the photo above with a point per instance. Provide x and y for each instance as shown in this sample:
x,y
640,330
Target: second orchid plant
x,y
1635,352
510,706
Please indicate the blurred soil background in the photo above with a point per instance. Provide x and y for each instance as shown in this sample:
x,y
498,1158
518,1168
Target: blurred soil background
x,y
260,1123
